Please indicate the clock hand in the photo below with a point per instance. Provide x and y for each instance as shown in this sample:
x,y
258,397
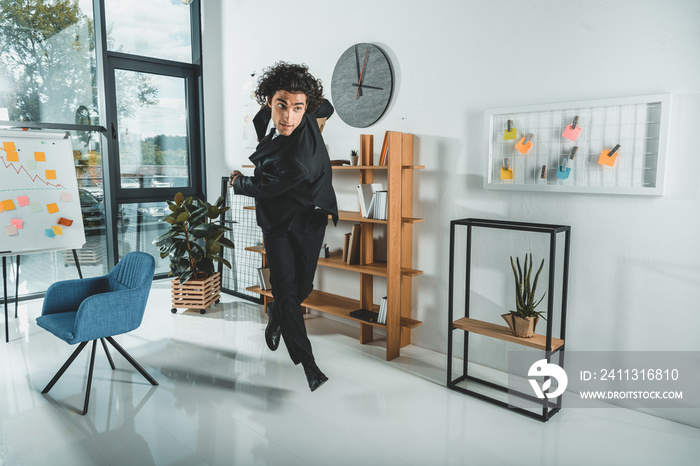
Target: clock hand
x,y
362,73
369,87
357,63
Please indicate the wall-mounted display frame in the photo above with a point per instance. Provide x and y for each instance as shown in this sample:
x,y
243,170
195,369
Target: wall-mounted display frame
x,y
615,146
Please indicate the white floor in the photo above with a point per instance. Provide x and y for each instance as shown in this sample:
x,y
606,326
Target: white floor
x,y
224,399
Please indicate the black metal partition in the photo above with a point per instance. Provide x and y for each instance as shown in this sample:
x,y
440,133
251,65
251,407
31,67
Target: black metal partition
x,y
548,408
245,234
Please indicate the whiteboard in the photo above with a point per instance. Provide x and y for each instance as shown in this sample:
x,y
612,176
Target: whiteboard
x,y
638,124
39,199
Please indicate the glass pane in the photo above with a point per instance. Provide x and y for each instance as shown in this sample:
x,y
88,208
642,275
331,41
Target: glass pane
x,y
47,62
152,130
143,225
38,271
167,23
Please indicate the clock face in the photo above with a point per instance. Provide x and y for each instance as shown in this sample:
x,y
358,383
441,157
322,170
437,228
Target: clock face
x,y
362,85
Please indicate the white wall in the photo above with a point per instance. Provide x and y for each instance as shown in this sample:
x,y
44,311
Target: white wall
x,y
635,263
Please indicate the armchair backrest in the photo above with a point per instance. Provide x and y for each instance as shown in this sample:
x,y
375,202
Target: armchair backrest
x,y
133,271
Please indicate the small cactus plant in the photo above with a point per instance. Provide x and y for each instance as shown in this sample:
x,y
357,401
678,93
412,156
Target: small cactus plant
x,y
353,153
524,293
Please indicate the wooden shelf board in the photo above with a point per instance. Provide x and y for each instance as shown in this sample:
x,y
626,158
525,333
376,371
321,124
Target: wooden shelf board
x,y
354,216
374,167
334,261
375,268
360,167
338,306
503,333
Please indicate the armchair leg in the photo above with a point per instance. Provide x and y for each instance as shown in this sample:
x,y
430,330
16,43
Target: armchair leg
x,y
65,366
132,361
89,382
109,356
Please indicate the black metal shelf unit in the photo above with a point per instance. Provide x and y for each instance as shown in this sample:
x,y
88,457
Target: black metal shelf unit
x,y
548,408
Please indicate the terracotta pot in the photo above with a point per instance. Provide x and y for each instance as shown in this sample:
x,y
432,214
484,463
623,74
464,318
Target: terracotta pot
x,y
521,327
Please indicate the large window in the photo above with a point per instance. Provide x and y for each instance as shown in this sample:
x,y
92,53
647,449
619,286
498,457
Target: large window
x,y
152,28
124,79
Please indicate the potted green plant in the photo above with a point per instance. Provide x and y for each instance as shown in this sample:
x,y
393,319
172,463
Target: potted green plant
x,y
354,157
523,320
194,243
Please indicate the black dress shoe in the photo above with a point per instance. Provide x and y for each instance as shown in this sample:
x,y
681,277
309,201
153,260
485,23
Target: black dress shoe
x,y
273,331
314,376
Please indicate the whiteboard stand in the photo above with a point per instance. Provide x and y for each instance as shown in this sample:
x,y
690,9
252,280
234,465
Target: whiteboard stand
x,y
4,285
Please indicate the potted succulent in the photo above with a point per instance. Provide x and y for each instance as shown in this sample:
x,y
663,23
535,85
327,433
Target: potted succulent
x,y
354,157
523,320
193,243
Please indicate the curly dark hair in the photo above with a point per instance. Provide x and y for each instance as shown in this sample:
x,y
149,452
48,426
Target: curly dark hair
x,y
291,78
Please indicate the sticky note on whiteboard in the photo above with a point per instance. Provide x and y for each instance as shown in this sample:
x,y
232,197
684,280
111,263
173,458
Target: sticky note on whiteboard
x,y
506,174
57,230
52,208
570,133
50,174
11,230
509,134
9,146
12,157
49,233
39,156
23,201
17,222
8,205
66,197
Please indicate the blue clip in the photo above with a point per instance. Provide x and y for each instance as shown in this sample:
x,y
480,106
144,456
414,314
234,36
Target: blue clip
x,y
563,171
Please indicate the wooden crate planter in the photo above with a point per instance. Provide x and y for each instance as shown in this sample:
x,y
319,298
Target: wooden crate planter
x,y
196,294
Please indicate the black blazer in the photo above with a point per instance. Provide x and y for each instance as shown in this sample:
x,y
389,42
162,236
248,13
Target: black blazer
x,y
293,177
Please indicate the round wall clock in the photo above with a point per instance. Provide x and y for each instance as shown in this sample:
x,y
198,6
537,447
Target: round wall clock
x,y
362,85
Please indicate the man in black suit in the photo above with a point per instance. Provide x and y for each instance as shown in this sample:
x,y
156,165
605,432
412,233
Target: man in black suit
x,y
293,199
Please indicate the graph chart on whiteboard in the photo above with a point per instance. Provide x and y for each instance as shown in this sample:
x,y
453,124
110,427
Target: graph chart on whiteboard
x,y
39,200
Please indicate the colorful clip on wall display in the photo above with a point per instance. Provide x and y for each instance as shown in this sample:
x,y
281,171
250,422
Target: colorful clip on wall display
x,y
563,171
608,157
524,144
543,173
572,154
573,130
510,132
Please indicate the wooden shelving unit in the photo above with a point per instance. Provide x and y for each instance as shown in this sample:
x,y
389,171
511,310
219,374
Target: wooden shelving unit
x,y
397,269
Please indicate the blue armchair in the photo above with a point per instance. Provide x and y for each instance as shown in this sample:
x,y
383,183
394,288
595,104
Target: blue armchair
x,y
91,309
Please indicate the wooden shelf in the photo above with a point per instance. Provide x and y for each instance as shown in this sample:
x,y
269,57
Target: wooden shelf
x,y
334,261
375,167
503,333
360,167
338,305
353,216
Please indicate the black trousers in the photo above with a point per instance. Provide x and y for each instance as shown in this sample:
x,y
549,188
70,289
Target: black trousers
x,y
292,257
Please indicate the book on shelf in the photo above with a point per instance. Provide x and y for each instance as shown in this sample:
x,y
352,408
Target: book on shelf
x,y
354,246
381,318
264,278
364,314
346,246
379,205
383,156
365,192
